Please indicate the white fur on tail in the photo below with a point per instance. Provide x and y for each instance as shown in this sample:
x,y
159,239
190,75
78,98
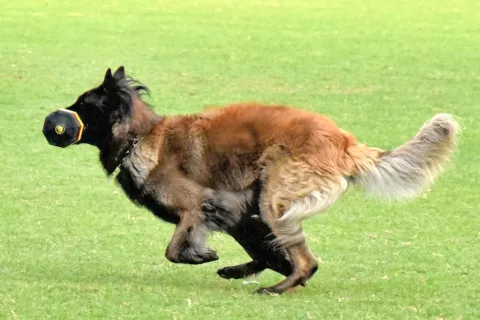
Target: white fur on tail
x,y
408,170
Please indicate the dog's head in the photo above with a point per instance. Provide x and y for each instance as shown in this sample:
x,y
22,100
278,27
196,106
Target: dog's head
x,y
96,114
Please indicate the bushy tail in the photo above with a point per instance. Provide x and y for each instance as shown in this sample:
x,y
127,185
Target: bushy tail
x,y
410,169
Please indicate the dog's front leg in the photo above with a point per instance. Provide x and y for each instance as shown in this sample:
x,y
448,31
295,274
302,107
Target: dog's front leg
x,y
188,244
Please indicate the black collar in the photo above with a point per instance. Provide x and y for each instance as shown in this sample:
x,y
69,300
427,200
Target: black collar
x,y
132,146
129,150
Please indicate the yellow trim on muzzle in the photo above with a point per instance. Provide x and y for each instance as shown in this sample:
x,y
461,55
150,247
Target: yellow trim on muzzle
x,y
80,122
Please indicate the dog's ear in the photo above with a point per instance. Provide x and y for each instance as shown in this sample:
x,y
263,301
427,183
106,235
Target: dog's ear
x,y
109,82
119,74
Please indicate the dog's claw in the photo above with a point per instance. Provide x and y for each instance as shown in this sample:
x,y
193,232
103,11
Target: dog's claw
x,y
270,291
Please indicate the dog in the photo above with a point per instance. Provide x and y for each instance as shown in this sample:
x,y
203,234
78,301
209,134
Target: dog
x,y
253,171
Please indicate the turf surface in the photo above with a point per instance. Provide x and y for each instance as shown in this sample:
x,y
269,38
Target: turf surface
x,y
73,247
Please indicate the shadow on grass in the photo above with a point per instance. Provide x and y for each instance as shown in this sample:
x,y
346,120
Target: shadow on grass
x,y
166,277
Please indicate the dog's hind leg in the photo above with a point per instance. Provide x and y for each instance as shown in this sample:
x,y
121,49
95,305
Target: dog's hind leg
x,y
287,227
237,213
294,191
255,236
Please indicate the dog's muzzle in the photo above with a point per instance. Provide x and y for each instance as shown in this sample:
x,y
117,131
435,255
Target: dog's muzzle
x,y
63,128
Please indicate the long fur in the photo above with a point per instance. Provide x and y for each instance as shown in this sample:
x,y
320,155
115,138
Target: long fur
x,y
407,171
218,169
289,230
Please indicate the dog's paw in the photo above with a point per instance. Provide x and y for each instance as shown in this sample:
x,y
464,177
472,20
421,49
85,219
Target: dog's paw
x,y
231,273
197,257
209,255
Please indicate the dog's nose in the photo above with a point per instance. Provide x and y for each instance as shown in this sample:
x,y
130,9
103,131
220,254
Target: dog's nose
x,y
63,128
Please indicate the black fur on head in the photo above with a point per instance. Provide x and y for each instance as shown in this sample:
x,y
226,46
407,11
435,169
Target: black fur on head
x,y
108,105
106,112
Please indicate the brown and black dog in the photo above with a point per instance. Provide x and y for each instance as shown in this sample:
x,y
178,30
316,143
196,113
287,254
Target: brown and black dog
x,y
247,169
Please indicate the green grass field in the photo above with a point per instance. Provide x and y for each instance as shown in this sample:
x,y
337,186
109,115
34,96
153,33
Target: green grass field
x,y
73,247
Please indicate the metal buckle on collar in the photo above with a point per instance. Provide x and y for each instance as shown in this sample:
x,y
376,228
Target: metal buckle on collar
x,y
134,144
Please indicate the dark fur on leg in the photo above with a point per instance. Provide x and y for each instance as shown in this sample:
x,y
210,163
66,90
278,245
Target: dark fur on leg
x,y
238,214
223,209
255,237
196,250
241,271
188,245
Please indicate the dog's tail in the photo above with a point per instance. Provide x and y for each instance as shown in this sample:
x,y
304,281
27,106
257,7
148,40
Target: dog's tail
x,y
410,169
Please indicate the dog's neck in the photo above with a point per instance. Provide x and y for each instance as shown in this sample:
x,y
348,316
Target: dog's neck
x,y
126,136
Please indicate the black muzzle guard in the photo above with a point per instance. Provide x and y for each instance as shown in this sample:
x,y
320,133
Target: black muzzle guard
x,y
63,128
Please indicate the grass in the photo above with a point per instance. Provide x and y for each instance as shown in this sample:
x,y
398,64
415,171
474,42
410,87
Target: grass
x,y
73,247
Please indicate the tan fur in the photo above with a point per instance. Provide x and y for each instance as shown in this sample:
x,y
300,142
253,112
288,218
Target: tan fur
x,y
302,159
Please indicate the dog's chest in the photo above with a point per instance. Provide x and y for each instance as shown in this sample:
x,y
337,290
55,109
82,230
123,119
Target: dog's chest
x,y
132,177
139,165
